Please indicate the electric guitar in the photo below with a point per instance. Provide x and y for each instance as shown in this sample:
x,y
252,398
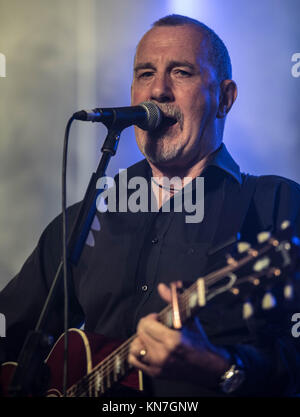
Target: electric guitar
x,y
97,364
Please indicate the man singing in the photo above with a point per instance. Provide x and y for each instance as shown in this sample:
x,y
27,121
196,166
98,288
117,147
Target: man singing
x,y
123,279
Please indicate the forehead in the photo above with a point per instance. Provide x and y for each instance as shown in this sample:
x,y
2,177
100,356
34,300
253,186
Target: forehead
x,y
185,42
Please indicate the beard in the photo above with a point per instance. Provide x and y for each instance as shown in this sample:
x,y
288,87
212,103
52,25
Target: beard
x,y
157,145
159,148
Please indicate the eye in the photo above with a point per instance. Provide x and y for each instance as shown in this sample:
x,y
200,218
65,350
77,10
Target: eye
x,y
145,74
182,73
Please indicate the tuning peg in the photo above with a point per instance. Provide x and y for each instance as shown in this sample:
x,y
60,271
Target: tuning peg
x,y
247,310
285,224
268,301
288,291
230,259
262,264
263,237
243,246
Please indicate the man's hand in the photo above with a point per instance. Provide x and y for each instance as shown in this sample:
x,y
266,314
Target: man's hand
x,y
185,355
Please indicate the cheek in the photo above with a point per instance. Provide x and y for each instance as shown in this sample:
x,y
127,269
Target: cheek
x,y
137,95
140,135
132,95
203,105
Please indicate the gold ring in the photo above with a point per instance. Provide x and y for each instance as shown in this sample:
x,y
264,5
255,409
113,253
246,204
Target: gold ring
x,y
142,354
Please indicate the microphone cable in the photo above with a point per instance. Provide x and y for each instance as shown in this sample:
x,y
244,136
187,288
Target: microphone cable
x,y
65,255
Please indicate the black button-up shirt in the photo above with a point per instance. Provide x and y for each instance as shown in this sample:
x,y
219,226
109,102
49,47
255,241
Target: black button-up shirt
x,y
127,254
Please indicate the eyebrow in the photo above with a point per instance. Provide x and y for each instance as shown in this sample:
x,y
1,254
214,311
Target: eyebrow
x,y
182,63
172,64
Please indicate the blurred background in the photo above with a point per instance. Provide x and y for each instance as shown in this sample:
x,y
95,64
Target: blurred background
x,y
66,55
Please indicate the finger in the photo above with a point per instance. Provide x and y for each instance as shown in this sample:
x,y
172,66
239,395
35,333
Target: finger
x,y
138,353
151,330
149,369
149,351
137,347
165,292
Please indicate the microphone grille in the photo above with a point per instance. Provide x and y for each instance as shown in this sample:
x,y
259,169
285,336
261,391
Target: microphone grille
x,y
154,116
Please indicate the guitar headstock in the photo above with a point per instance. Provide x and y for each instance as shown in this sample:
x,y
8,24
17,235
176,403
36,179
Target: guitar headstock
x,y
261,270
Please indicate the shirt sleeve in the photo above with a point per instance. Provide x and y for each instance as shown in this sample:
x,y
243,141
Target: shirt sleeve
x,y
22,300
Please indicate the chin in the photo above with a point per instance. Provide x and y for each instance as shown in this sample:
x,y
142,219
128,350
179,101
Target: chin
x,y
161,147
162,155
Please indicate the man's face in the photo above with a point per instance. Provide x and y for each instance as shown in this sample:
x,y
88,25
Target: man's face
x,y
172,70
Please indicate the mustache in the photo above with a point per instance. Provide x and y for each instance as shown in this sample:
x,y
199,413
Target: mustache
x,y
172,112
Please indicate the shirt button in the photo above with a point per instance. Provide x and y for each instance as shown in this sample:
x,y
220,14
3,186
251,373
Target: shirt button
x,y
154,241
144,288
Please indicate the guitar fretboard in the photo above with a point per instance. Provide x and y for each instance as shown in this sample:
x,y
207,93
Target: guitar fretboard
x,y
115,366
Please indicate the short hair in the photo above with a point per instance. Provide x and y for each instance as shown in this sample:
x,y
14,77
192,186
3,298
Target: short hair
x,y
217,53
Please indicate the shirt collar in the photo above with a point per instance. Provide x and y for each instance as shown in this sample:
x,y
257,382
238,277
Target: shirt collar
x,y
223,160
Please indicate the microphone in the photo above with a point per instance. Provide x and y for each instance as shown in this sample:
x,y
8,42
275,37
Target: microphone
x,y
146,115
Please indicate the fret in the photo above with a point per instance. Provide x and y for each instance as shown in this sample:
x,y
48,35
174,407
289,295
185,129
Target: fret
x,y
193,300
124,363
85,387
98,382
185,310
117,367
90,388
169,318
108,380
201,292
102,386
111,369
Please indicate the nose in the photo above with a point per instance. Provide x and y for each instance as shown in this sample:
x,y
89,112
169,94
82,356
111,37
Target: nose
x,y
161,89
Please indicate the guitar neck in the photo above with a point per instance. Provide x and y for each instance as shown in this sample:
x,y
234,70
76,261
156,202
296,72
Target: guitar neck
x,y
252,266
115,366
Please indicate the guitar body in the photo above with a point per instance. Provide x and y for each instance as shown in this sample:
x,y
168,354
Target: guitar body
x,y
85,351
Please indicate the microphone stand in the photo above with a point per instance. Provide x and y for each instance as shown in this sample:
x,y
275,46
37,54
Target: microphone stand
x,y
31,376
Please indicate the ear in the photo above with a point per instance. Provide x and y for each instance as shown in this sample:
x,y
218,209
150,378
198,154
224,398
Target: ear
x,y
227,97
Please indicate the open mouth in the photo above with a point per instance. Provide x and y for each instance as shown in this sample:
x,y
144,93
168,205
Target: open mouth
x,y
171,116
169,121
163,128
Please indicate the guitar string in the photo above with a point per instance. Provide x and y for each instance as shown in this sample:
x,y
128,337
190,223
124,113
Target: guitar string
x,y
91,384
122,350
108,365
103,365
88,385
